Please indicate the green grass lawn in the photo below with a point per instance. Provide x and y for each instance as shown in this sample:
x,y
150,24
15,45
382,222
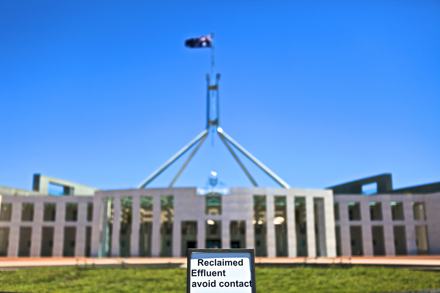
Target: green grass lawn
x,y
281,279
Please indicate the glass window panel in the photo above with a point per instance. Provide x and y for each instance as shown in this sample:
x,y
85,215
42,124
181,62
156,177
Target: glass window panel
x,y
5,212
166,225
71,212
27,212
260,228
49,213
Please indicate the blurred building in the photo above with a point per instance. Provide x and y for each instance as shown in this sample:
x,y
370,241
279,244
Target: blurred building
x,y
364,217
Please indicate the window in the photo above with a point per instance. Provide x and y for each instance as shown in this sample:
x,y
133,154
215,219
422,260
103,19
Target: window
x,y
4,241
89,211
260,225
56,189
71,212
189,228
354,211
400,240
419,211
146,223
25,241
69,241
166,225
5,212
336,211
88,246
188,236
237,230
107,232
378,240
280,222
301,225
422,239
397,211
356,240
213,205
49,213
27,212
47,237
320,233
125,226
375,211
213,230
338,240
369,189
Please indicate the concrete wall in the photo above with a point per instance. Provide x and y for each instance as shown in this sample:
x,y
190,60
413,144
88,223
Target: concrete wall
x,y
38,223
238,205
432,206
41,185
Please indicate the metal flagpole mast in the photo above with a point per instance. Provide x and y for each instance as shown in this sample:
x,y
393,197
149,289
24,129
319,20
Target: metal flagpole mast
x,y
212,123
174,158
253,159
212,55
239,162
185,164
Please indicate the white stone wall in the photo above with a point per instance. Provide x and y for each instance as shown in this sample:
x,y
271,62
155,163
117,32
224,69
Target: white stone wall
x,y
432,208
38,223
188,206
432,203
236,206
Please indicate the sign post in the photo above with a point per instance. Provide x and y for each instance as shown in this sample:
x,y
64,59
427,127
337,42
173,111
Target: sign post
x,y
221,271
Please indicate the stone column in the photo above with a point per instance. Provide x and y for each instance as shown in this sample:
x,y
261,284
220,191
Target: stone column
x,y
291,226
388,229
250,233
58,241
310,218
270,235
80,242
329,216
135,225
410,229
99,220
37,229
201,233
177,237
155,239
344,226
226,234
367,237
14,231
321,229
248,213
116,225
432,208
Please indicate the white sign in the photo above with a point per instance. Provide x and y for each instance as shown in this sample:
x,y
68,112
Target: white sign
x,y
221,271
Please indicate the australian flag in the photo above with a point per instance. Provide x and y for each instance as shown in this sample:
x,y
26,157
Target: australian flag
x,y
200,42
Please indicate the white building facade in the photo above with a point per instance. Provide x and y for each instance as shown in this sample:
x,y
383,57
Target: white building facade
x,y
167,221
387,224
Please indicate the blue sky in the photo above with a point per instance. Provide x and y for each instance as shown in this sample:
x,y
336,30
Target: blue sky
x,y
102,92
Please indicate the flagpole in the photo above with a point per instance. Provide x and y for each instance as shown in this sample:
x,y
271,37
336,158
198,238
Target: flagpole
x,y
212,56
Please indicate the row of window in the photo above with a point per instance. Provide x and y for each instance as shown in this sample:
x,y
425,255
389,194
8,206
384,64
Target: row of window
x,y
49,212
47,241
397,211
213,206
378,240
